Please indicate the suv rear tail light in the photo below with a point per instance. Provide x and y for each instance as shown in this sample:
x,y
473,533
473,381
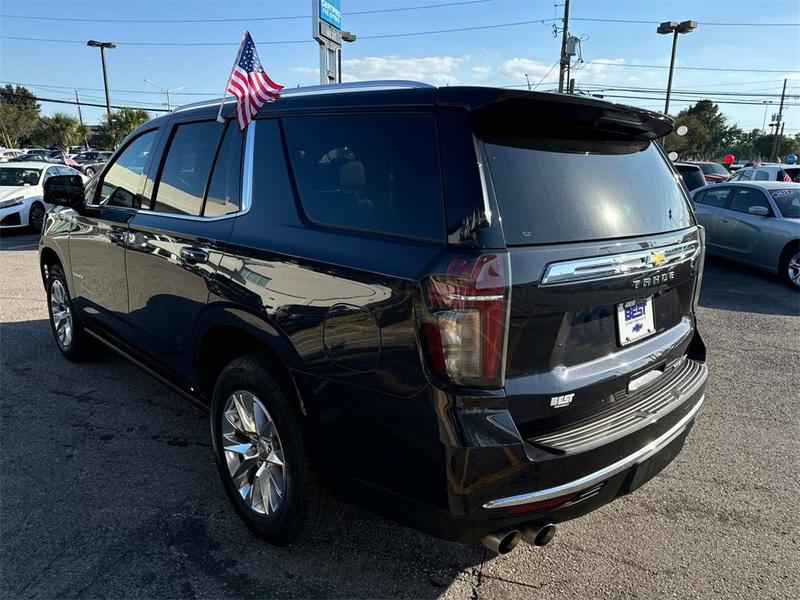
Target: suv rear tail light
x,y
464,320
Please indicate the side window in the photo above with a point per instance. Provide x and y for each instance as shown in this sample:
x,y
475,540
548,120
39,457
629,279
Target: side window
x,y
184,173
714,197
51,172
120,185
761,175
371,172
744,198
224,189
747,175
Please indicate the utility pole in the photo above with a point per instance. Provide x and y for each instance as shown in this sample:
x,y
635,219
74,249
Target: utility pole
x,y
564,62
778,130
80,117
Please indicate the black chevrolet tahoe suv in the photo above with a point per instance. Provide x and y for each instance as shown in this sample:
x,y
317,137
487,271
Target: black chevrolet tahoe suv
x,y
471,310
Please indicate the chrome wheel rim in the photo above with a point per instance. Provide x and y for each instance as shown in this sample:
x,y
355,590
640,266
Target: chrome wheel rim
x,y
61,313
794,269
253,453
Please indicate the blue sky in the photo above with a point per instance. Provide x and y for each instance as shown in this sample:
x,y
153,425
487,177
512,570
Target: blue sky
x,y
497,56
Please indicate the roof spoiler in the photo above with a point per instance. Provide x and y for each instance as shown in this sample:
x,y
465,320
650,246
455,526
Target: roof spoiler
x,y
549,112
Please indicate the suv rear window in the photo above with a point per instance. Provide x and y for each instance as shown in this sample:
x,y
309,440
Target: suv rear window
x,y
554,190
371,172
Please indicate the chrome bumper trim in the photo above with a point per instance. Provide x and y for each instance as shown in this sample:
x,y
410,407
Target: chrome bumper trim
x,y
591,479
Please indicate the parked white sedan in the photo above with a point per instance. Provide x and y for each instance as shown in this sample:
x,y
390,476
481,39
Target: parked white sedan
x,y
21,192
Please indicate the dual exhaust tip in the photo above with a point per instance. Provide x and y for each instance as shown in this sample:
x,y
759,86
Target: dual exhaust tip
x,y
505,540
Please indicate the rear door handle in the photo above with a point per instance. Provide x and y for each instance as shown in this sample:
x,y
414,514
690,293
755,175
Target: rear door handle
x,y
724,220
194,256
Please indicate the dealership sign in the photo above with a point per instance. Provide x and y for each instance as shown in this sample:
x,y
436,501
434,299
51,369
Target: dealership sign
x,y
330,11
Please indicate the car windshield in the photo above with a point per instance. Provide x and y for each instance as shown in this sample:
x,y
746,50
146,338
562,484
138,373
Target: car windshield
x,y
713,169
788,202
16,176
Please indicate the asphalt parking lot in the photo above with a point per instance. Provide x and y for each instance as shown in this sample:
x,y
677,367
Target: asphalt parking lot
x,y
108,486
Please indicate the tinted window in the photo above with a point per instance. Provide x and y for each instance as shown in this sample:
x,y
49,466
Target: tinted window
x,y
713,169
692,176
19,176
746,175
744,198
788,202
372,172
714,197
554,190
224,190
182,184
761,175
121,183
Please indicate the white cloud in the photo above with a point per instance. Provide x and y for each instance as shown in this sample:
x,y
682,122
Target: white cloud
x,y
439,70
481,73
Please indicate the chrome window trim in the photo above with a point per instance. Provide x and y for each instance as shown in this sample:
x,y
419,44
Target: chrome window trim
x,y
317,90
247,188
596,477
617,265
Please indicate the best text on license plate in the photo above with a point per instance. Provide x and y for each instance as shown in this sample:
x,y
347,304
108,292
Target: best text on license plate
x,y
635,320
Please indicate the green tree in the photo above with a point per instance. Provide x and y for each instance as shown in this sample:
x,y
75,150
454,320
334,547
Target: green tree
x,y
121,123
60,130
709,135
19,115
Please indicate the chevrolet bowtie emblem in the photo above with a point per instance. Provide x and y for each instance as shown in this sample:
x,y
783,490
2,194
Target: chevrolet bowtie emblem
x,y
657,258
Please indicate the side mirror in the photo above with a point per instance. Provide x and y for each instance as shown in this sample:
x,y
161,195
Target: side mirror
x,y
761,211
64,190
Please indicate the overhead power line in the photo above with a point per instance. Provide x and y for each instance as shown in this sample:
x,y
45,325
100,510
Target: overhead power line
x,y
279,42
247,19
703,23
73,102
372,12
727,69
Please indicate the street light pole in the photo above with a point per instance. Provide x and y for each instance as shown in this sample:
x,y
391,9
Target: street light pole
x,y
103,46
674,28
671,71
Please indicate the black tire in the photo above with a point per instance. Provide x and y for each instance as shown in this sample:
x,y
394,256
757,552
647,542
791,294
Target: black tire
x,y
305,499
80,346
36,217
790,263
88,171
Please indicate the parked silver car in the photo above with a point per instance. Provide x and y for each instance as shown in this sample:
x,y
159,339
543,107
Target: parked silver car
x,y
757,223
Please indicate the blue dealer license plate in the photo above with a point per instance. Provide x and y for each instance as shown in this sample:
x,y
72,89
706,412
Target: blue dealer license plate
x,y
635,320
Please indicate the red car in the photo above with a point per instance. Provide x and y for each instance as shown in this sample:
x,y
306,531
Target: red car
x,y
714,172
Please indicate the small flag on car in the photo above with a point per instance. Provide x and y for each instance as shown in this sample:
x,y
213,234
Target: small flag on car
x,y
249,83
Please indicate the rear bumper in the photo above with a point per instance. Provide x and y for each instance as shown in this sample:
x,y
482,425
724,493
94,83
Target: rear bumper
x,y
483,476
592,479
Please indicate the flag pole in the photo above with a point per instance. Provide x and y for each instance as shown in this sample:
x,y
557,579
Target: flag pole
x,y
225,91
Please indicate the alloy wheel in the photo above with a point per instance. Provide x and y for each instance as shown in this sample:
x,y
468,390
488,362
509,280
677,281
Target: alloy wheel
x,y
793,269
253,453
61,313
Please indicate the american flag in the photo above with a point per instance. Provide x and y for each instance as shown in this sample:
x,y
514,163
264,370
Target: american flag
x,y
250,84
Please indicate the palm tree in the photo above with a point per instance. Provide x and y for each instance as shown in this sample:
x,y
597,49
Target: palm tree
x,y
61,129
121,122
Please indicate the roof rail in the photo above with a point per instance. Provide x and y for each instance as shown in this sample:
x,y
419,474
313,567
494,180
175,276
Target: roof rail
x,y
338,88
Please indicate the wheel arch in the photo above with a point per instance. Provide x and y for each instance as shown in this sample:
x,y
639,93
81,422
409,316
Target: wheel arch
x,y
47,258
784,255
227,334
